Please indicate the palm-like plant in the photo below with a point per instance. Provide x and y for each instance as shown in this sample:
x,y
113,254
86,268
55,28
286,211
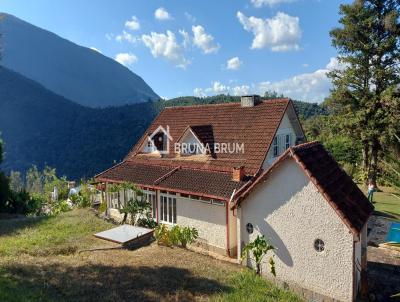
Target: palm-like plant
x,y
259,247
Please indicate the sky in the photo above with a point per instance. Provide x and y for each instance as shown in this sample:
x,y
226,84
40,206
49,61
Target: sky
x,y
203,47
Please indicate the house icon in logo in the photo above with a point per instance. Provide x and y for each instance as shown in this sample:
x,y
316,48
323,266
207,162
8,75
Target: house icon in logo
x,y
159,140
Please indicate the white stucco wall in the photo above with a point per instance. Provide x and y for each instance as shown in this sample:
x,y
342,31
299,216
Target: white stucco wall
x,y
285,127
208,219
289,210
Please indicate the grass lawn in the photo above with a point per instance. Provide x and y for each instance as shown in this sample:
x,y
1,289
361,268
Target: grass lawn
x,y
387,202
40,260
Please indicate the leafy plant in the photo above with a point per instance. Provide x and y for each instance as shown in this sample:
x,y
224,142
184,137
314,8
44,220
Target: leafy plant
x,y
259,247
102,207
162,235
176,235
187,236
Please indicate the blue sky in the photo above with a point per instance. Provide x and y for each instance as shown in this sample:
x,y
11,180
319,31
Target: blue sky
x,y
203,47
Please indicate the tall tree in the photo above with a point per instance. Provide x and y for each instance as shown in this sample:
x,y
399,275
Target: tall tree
x,y
369,56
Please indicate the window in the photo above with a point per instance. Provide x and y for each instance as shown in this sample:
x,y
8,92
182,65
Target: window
x,y
168,209
319,245
249,228
151,198
276,146
218,202
287,141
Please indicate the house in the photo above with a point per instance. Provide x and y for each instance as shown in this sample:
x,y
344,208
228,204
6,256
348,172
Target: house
x,y
237,170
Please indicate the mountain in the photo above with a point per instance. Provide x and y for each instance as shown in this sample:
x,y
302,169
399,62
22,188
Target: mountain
x,y
40,127
77,73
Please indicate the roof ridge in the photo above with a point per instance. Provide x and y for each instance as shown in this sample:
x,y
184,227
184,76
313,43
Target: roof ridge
x,y
306,145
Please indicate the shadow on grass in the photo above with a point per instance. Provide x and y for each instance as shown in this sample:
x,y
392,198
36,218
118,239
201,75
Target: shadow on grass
x,y
387,214
383,288
104,283
13,225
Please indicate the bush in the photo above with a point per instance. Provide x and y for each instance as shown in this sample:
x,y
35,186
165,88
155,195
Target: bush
x,y
103,207
176,235
187,236
161,233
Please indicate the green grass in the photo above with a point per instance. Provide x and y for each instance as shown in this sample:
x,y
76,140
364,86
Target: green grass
x,y
39,262
62,234
386,202
247,286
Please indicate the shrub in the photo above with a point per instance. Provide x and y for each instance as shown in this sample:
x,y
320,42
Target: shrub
x,y
161,233
176,235
103,207
187,236
259,247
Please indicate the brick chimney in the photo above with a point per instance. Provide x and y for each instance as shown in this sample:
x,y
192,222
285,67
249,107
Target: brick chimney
x,y
250,100
238,173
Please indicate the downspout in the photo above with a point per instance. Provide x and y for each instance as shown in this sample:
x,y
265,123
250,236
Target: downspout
x,y
353,288
227,229
227,223
158,205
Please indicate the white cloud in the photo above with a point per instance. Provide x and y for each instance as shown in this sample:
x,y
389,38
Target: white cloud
x,y
165,46
95,49
241,90
162,14
305,65
109,36
280,33
190,17
219,88
186,38
334,64
199,93
203,40
126,58
125,36
260,3
312,87
133,23
233,64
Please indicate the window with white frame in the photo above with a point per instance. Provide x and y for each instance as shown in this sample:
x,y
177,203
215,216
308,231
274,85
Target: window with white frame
x,y
288,139
168,209
151,198
281,143
276,146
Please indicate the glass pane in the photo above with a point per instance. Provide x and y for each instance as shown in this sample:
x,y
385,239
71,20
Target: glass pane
x,y
165,209
170,209
174,209
162,208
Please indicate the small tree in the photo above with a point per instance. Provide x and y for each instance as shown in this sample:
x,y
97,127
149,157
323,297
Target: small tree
x,y
138,208
259,247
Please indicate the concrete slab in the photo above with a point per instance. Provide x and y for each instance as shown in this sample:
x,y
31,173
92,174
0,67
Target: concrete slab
x,y
124,234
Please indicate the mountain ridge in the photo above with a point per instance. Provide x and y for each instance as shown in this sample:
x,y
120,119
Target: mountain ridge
x,y
75,72
40,127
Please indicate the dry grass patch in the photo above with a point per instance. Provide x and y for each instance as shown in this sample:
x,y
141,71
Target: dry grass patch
x,y
150,273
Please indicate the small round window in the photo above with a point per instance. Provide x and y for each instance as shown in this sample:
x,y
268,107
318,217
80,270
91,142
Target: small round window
x,y
249,228
319,245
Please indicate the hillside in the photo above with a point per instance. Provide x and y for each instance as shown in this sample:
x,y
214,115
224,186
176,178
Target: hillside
x,y
40,127
78,73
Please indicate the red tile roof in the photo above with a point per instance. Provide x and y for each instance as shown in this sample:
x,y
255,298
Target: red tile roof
x,y
331,180
218,185
255,127
210,176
